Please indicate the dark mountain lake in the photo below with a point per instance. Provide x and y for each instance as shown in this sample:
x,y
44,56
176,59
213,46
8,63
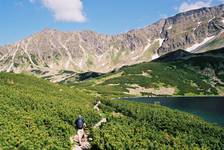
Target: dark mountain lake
x,y
210,109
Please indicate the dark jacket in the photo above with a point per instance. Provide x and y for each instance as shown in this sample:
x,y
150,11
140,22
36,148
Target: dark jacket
x,y
79,123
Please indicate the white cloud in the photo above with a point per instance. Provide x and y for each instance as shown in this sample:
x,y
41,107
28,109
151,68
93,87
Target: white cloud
x,y
66,10
186,6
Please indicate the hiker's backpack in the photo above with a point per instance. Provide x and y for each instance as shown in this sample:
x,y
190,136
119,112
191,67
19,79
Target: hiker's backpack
x,y
79,123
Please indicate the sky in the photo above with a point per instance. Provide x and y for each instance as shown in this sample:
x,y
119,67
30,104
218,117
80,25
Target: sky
x,y
21,18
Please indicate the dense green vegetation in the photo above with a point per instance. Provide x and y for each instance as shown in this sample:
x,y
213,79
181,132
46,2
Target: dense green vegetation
x,y
152,75
36,114
190,75
142,126
165,75
210,66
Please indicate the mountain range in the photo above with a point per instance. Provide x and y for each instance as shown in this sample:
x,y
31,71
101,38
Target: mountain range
x,y
57,55
174,58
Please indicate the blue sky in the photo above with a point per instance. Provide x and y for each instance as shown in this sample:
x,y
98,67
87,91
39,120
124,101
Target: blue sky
x,y
21,18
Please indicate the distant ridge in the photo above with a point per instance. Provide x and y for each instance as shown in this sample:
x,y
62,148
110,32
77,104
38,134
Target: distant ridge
x,y
52,54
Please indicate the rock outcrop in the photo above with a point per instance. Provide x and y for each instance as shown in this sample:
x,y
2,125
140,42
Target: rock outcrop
x,y
52,53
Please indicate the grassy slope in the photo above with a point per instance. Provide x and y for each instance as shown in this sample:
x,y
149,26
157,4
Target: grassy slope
x,y
36,114
191,76
210,65
185,81
144,126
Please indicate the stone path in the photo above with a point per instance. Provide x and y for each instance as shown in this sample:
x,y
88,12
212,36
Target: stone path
x,y
86,145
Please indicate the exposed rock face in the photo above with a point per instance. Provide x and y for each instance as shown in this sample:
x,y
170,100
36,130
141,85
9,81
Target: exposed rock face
x,y
193,27
50,52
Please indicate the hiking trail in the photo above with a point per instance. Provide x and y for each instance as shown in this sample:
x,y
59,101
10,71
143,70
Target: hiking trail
x,y
86,145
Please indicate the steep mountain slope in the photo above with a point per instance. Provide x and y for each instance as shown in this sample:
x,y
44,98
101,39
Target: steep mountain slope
x,y
176,73
52,53
37,114
215,43
210,64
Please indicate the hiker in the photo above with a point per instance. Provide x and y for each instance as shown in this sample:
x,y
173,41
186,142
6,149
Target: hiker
x,y
96,107
81,137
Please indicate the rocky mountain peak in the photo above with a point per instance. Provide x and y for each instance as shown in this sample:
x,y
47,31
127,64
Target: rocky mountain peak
x,y
52,52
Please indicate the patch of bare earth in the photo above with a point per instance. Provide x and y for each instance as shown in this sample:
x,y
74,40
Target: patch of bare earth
x,y
138,90
108,78
221,91
115,114
215,78
146,74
